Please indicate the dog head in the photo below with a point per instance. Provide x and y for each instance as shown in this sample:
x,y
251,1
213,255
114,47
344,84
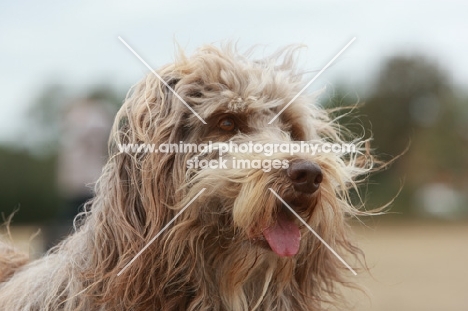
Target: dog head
x,y
243,231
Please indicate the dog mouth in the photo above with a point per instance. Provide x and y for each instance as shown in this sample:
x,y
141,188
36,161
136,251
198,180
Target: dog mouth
x,y
283,236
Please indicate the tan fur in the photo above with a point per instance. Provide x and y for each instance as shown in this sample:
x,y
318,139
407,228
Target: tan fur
x,y
207,260
11,260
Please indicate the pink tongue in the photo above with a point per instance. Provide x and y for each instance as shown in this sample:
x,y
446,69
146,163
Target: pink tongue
x,y
284,236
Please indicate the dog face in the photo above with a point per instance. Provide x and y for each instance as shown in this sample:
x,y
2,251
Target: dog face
x,y
165,234
238,233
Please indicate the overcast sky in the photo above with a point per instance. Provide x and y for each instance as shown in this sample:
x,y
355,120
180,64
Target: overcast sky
x,y
75,42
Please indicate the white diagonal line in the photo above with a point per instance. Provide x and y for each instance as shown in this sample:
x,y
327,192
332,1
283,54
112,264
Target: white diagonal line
x,y
160,232
159,77
315,233
316,76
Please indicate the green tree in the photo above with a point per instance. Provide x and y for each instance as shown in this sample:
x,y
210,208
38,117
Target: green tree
x,y
413,106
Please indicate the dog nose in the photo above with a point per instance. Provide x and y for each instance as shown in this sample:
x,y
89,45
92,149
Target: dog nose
x,y
306,176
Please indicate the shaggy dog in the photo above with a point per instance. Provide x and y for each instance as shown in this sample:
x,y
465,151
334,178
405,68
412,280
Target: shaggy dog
x,y
236,245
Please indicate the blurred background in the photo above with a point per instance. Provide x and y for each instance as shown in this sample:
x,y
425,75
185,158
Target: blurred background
x,y
64,74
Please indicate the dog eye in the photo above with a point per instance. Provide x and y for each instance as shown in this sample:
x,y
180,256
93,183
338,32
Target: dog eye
x,y
227,124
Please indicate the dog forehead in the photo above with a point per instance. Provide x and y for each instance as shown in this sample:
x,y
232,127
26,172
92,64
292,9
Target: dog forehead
x,y
231,71
240,104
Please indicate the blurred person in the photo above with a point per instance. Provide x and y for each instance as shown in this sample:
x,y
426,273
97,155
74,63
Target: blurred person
x,y
82,153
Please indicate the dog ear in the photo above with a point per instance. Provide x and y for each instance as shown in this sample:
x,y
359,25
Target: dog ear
x,y
137,189
150,116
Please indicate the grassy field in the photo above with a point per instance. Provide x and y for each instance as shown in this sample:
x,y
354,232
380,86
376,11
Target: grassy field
x,y
415,266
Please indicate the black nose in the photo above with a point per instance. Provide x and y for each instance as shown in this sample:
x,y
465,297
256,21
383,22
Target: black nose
x,y
305,176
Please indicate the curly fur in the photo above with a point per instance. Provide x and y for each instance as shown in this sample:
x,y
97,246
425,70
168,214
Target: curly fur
x,y
207,260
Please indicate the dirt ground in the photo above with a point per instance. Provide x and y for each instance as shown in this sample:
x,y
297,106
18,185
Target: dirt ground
x,y
415,266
